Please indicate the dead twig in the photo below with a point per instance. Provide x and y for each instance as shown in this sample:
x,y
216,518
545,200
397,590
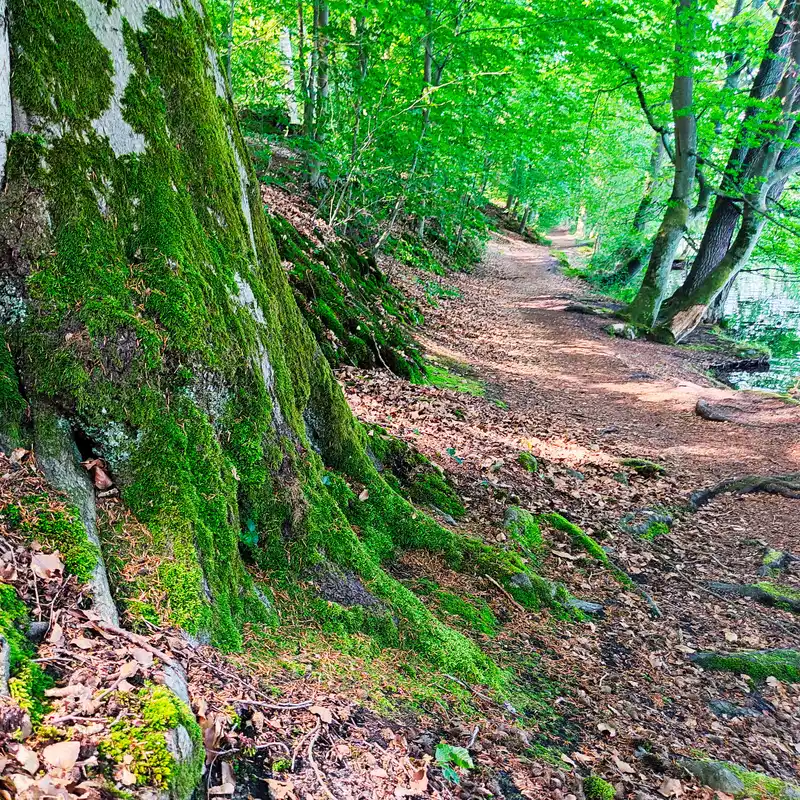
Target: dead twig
x,y
314,736
506,593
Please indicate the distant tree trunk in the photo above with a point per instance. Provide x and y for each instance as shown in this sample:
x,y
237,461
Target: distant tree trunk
x,y
645,306
321,113
285,46
308,66
688,306
229,37
523,223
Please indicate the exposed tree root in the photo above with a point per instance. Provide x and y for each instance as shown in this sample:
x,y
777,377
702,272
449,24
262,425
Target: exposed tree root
x,y
784,485
768,594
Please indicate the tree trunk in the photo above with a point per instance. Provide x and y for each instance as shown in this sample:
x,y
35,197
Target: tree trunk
x,y
229,37
523,223
689,305
656,162
647,303
716,311
322,93
289,97
686,315
147,321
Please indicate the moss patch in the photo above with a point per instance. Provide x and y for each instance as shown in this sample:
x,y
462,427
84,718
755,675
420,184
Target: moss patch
x,y
758,664
528,461
55,529
27,682
356,314
597,788
587,543
648,469
153,712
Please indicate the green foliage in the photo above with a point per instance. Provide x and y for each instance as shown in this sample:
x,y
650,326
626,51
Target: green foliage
x,y
449,756
139,741
597,788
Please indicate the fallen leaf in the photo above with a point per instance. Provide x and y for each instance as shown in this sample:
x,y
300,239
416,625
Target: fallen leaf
x,y
46,565
379,772
144,657
323,713
126,777
56,634
28,759
364,495
622,766
280,791
128,669
671,787
730,636
83,643
604,727
221,790
62,755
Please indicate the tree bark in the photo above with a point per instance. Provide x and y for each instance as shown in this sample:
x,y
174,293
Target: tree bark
x,y
688,306
322,94
646,305
726,211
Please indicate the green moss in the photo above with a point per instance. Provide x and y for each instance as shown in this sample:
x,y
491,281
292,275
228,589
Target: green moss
x,y
597,788
412,474
524,530
141,735
343,291
779,592
759,786
528,461
27,682
12,404
447,378
772,558
61,71
758,664
583,540
476,614
654,530
642,466
55,529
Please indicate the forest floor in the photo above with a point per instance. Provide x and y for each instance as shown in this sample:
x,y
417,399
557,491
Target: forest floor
x,y
559,386
311,715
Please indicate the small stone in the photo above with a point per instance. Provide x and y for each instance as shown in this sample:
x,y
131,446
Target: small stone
x,y
714,774
37,631
522,581
587,607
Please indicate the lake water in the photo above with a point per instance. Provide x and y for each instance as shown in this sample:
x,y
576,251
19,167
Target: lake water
x,y
760,306
763,304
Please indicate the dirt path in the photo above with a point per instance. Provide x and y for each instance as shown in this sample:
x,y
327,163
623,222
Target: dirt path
x,y
624,396
581,400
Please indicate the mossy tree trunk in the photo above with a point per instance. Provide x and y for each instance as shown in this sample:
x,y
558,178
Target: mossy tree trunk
x,y
143,303
645,306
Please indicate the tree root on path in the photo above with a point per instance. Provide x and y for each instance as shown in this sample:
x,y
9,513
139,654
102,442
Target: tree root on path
x,y
768,594
758,664
784,485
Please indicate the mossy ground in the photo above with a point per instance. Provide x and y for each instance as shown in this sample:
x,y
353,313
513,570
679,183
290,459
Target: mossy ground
x,y
138,741
28,682
55,527
356,314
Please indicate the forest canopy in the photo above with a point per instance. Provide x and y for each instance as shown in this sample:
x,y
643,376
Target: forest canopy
x,y
665,131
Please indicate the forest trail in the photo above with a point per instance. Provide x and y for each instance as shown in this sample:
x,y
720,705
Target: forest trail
x,y
614,393
582,401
